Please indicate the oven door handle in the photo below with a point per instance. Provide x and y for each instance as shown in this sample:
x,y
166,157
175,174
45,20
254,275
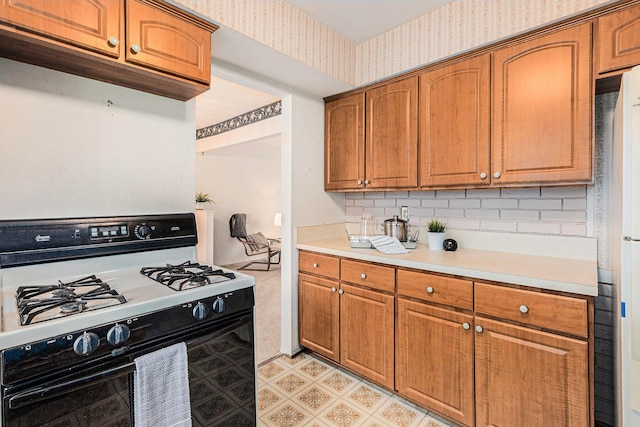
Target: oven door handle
x,y
48,391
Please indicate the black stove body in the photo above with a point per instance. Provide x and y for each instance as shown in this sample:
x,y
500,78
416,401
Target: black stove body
x,y
83,298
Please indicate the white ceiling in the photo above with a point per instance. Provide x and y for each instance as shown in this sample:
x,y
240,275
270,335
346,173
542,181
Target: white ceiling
x,y
357,20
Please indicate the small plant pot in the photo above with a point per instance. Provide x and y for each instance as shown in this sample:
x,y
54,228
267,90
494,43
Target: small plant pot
x,y
436,240
200,205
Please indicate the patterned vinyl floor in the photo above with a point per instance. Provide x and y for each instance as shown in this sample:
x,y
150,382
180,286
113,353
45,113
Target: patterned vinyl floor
x,y
306,391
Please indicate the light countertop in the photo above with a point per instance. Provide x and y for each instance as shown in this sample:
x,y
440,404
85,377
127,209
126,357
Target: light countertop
x,y
578,276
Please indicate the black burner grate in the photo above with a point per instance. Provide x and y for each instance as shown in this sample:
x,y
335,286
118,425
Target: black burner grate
x,y
36,302
186,275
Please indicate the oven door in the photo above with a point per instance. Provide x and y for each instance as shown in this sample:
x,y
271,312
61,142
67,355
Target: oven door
x,y
222,385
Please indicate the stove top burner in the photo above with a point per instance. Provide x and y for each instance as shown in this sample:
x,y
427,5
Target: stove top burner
x,y
38,303
186,275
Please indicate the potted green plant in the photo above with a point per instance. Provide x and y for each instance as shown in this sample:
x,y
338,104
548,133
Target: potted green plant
x,y
436,234
202,199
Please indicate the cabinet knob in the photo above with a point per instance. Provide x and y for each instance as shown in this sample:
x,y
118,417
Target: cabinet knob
x,y
333,289
359,181
315,265
363,276
478,328
465,325
524,309
497,174
483,175
341,291
366,181
135,48
113,41
430,289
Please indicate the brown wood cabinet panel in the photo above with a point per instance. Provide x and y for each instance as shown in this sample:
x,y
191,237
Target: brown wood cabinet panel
x,y
84,23
319,321
391,159
167,43
553,312
344,143
434,359
542,109
367,333
530,378
320,265
436,289
455,123
618,40
375,276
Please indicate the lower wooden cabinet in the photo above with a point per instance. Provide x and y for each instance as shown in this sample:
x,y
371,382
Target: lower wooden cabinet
x,y
318,320
526,377
434,359
366,333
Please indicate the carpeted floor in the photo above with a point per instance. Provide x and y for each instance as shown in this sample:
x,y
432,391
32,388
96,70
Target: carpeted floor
x,y
267,311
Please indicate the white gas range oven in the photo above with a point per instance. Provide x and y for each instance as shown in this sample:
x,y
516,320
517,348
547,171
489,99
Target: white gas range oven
x,y
86,302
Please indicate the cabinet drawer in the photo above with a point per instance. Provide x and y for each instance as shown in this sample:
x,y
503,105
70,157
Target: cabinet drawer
x,y
371,275
554,312
319,265
438,289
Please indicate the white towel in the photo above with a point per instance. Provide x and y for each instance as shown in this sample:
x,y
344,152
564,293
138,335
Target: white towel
x,y
161,388
388,245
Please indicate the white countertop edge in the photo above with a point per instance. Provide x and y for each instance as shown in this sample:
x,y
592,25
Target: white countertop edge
x,y
575,288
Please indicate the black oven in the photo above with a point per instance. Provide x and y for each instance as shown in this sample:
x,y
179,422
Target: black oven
x,y
48,384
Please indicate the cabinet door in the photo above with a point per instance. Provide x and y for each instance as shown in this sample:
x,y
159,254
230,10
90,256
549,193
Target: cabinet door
x,y
530,378
319,315
344,143
454,124
83,23
619,40
542,109
367,333
392,135
165,42
434,359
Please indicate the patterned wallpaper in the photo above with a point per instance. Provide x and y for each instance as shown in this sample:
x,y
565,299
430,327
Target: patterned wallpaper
x,y
451,29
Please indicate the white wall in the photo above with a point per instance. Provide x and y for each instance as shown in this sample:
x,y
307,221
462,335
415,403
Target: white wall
x,y
241,178
72,147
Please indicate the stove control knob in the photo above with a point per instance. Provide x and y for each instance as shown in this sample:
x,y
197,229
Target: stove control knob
x,y
118,334
143,231
200,311
219,305
86,343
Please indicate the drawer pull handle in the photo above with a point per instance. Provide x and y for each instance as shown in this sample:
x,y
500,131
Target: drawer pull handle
x,y
363,276
333,289
497,175
315,265
341,291
465,325
113,41
524,309
430,290
478,328
483,175
366,181
359,181
135,48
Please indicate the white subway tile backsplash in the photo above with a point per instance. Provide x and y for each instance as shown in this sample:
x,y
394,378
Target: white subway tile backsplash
x,y
482,213
564,216
565,192
540,204
537,210
500,203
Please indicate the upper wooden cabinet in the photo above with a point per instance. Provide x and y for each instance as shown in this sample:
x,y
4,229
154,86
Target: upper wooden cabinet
x,y
167,43
391,139
83,23
618,40
454,124
147,45
344,143
371,139
542,110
